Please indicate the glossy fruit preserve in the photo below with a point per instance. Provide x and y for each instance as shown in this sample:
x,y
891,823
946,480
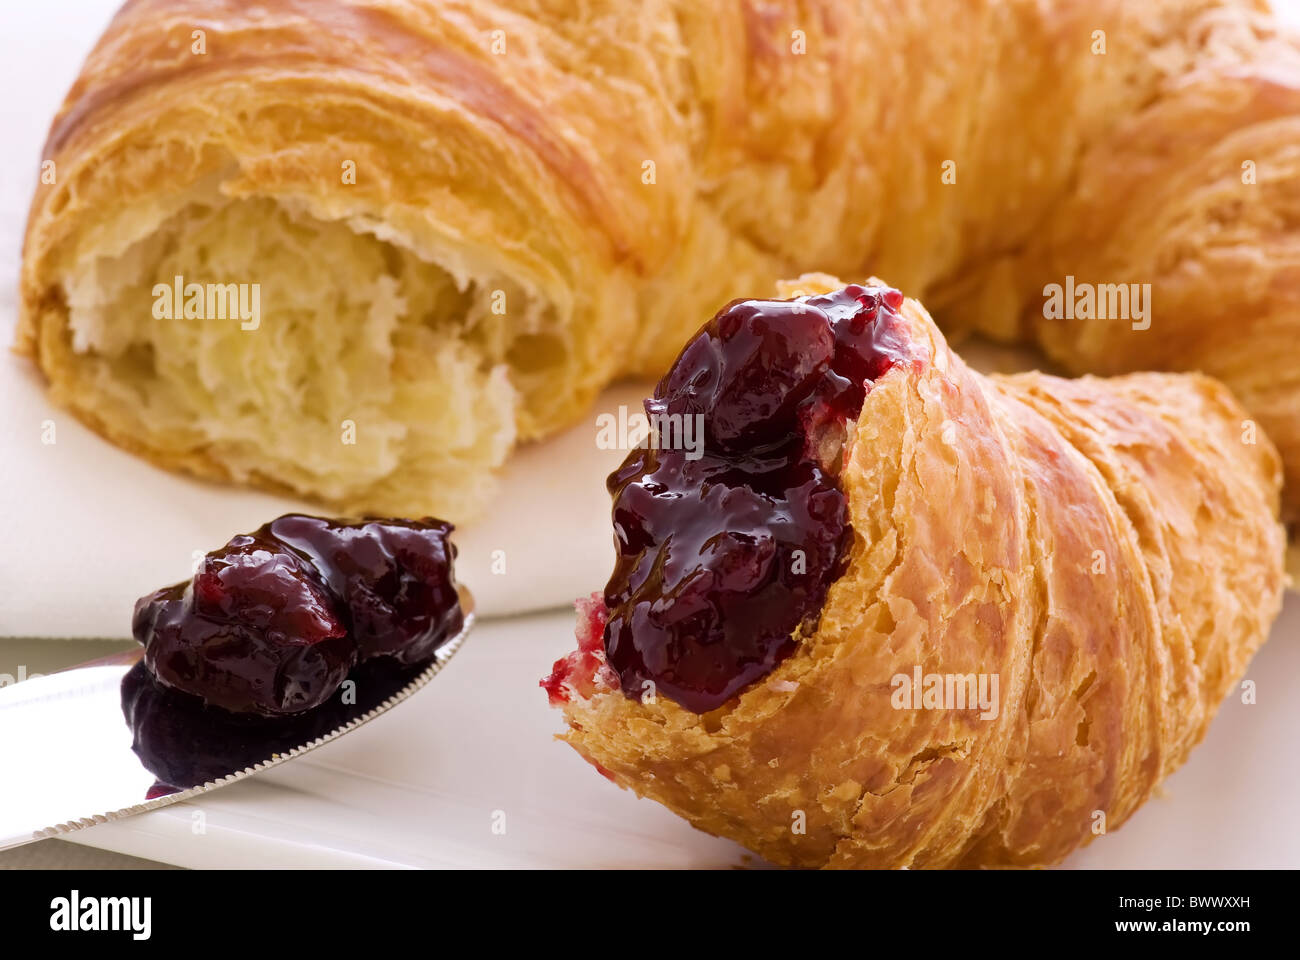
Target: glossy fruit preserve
x,y
725,554
273,622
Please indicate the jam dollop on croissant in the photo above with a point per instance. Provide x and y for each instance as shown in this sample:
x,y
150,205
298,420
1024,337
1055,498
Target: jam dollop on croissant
x,y
871,532
273,622
725,553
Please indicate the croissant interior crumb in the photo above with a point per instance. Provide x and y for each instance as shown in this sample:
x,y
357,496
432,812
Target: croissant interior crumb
x,y
373,376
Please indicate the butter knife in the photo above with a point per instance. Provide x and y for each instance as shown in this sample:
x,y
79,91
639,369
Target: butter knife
x,y
103,740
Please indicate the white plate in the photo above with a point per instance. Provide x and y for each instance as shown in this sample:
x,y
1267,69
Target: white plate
x,y
424,785
464,774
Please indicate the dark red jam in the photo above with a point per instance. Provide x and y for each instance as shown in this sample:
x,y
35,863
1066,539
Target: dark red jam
x,y
272,623
184,742
725,553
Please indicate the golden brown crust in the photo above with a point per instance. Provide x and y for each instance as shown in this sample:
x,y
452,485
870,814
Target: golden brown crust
x,y
787,135
1108,549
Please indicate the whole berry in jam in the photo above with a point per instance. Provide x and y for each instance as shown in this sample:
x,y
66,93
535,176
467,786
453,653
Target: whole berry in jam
x,y
255,631
394,577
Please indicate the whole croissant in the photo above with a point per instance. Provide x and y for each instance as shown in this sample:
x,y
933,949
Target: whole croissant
x,y
357,249
1104,552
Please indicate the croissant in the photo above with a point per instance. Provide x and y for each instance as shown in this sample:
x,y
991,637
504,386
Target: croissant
x,y
942,620
357,249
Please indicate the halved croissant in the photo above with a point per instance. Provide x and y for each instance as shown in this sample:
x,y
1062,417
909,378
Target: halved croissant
x,y
1107,549
466,216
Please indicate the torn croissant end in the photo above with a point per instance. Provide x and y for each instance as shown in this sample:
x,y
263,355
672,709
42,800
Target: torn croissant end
x,y
1106,554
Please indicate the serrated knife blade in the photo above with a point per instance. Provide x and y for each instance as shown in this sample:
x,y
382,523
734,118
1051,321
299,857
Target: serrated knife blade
x,y
72,757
